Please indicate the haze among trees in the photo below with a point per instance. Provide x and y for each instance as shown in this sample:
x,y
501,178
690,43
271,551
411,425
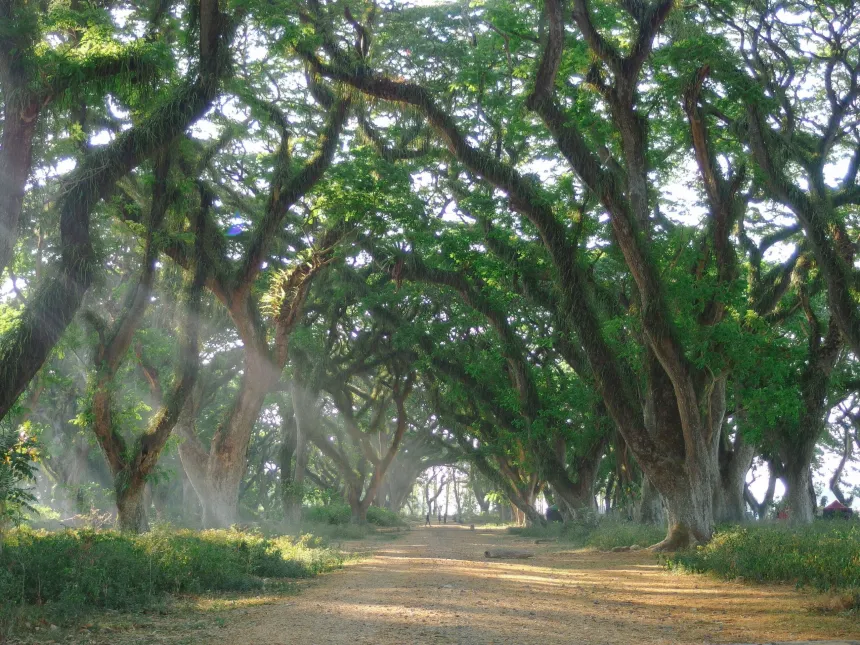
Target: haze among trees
x,y
259,256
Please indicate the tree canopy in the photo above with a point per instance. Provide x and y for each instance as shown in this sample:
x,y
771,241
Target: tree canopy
x,y
590,249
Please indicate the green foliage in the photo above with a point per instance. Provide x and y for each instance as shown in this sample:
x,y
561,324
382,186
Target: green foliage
x,y
17,469
76,571
383,517
597,533
824,555
339,514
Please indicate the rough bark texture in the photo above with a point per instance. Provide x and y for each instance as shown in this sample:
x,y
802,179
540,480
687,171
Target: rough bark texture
x,y
15,161
649,510
729,502
131,509
800,502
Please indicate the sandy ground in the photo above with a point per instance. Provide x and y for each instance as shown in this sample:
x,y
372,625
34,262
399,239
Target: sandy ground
x,y
434,586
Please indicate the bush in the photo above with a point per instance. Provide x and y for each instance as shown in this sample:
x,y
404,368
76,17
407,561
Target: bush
x,y
75,570
341,514
612,533
329,514
824,555
383,517
596,532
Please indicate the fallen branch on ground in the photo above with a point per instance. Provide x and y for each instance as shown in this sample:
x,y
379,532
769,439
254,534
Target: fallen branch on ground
x,y
508,553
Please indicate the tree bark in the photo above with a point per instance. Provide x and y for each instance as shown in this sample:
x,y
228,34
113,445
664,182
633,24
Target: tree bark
x,y
689,513
650,507
15,161
801,503
131,506
835,486
729,503
285,457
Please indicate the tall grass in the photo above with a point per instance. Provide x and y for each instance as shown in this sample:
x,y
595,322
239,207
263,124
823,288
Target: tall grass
x,y
71,572
824,555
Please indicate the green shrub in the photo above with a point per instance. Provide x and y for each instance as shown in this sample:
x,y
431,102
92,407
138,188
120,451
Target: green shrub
x,y
596,532
76,570
337,532
383,517
612,533
341,514
824,555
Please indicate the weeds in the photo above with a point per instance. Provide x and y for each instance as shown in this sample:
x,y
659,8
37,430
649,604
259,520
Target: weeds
x,y
824,555
340,514
69,573
602,534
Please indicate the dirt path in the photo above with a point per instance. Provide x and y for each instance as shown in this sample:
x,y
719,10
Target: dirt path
x,y
434,586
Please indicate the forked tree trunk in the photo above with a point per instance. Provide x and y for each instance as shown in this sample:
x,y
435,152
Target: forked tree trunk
x,y
217,473
131,507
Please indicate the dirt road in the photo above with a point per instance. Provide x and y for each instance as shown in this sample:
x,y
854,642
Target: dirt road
x,y
434,586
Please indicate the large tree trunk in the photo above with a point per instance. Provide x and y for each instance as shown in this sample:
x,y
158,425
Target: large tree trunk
x,y
217,473
835,487
797,480
15,162
690,514
307,424
131,506
576,495
650,507
357,506
480,492
285,457
729,502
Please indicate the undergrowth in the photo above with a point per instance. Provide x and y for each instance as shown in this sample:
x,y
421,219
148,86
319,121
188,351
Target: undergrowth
x,y
67,574
824,555
602,534
340,514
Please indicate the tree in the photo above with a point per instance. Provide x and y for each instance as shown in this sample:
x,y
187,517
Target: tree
x,y
26,344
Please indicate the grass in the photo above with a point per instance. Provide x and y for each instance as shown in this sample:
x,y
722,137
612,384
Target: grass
x,y
340,515
824,555
602,534
61,577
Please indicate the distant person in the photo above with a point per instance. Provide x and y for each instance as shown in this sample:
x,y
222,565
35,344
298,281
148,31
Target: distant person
x,y
427,522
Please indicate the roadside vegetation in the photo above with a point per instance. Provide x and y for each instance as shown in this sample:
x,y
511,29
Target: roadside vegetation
x,y
62,577
824,556
597,533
